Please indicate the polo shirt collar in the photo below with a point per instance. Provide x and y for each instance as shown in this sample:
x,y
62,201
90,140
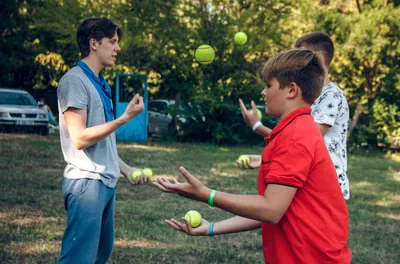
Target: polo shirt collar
x,y
287,120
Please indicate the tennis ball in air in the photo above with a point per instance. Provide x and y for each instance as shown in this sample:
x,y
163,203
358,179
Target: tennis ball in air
x,y
135,174
147,172
194,218
204,54
240,38
258,112
242,159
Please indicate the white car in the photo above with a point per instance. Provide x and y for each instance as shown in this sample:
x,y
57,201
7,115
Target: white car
x,y
20,111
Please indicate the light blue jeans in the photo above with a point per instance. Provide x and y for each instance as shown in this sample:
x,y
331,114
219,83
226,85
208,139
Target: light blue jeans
x,y
89,234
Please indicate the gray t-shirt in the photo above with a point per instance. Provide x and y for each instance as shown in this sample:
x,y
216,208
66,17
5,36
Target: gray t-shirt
x,y
99,161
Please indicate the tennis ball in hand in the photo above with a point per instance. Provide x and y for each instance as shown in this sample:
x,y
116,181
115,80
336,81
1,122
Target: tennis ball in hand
x,y
204,54
135,174
243,158
258,112
147,172
194,218
240,38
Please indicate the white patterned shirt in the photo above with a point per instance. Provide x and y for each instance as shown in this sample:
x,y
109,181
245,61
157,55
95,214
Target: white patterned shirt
x,y
331,109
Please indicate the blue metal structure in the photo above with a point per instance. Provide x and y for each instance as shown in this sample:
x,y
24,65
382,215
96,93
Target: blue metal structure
x,y
128,85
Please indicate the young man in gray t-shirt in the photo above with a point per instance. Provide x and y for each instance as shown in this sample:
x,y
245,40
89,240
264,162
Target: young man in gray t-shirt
x,y
87,134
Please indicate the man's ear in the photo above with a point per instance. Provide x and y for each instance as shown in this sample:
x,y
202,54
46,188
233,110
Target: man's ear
x,y
293,90
93,44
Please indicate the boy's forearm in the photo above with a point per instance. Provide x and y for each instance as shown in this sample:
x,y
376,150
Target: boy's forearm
x,y
248,206
235,224
263,131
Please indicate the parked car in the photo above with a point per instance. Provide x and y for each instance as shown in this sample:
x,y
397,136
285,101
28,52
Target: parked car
x,y
165,116
20,111
159,117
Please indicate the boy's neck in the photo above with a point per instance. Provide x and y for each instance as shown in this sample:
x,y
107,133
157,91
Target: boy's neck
x,y
326,80
293,107
93,64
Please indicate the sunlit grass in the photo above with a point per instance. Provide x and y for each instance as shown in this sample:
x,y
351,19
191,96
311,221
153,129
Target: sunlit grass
x,y
32,216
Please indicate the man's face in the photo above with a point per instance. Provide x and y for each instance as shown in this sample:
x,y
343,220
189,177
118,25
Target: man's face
x,y
107,50
274,98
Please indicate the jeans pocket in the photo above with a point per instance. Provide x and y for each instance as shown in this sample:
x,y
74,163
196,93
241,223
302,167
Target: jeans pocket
x,y
74,186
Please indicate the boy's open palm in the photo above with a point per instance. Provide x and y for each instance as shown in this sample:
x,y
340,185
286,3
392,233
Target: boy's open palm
x,y
191,188
135,106
201,230
250,118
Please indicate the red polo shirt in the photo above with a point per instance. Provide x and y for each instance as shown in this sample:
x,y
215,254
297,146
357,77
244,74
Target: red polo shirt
x,y
314,228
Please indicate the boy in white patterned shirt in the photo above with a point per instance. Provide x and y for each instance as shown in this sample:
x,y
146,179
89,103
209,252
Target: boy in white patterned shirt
x,y
330,111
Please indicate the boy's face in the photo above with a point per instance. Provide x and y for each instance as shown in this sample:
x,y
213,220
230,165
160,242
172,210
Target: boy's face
x,y
107,50
274,98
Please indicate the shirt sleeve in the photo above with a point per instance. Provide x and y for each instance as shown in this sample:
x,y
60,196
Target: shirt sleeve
x,y
327,108
71,92
289,165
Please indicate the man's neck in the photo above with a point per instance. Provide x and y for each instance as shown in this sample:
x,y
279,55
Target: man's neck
x,y
93,64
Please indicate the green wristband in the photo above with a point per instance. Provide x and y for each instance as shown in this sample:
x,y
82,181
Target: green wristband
x,y
211,198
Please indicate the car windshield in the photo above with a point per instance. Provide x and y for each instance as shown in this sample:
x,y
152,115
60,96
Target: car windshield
x,y
10,98
188,108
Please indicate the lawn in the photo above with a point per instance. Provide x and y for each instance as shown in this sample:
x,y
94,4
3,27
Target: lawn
x,y
32,216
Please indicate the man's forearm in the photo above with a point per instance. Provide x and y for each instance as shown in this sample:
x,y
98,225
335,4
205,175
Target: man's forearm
x,y
124,168
91,135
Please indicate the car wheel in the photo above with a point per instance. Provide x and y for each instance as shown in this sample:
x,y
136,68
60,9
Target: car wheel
x,y
44,131
171,128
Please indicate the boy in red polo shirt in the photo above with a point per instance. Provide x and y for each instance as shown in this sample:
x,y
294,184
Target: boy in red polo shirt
x,y
299,206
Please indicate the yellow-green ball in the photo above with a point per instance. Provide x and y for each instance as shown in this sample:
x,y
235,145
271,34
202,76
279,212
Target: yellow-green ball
x,y
147,172
194,218
204,54
259,113
240,38
135,174
243,158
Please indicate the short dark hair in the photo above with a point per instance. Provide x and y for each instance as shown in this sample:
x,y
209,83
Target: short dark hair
x,y
96,28
303,67
318,42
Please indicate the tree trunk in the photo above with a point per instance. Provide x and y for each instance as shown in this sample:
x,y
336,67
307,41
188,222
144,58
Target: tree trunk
x,y
354,120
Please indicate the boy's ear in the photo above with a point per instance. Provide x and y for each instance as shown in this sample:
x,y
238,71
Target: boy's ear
x,y
293,90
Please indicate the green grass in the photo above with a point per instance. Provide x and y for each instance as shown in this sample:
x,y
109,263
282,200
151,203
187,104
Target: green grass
x,y
32,216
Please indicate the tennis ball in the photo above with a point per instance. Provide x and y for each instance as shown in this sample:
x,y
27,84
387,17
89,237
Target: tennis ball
x,y
243,158
135,174
204,54
258,112
240,38
194,218
147,172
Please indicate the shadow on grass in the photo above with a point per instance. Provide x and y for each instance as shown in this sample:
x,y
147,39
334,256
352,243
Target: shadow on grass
x,y
32,217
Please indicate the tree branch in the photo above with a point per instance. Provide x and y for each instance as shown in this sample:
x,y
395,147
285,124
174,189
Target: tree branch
x,y
358,6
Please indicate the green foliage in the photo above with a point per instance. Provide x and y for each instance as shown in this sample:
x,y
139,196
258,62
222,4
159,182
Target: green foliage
x,y
161,37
